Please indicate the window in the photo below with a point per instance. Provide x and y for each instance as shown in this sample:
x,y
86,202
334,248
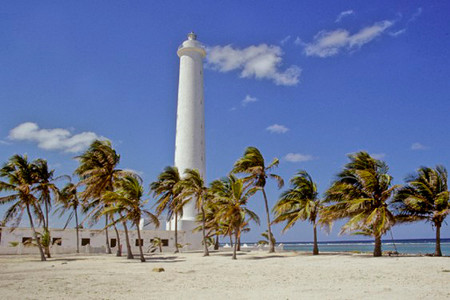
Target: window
x,y
26,240
165,242
85,242
113,243
137,242
57,241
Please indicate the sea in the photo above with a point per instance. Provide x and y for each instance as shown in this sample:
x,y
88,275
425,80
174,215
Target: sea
x,y
409,246
406,246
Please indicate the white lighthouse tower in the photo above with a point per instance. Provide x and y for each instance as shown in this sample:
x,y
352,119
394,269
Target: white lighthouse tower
x,y
190,131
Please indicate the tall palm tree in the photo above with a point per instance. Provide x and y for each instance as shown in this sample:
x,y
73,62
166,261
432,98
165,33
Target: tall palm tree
x,y
97,172
193,187
300,202
21,180
46,187
362,194
127,198
167,189
232,208
253,164
68,200
425,197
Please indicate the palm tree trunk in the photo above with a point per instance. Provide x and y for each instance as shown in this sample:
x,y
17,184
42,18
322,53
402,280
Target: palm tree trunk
x,y
205,252
35,235
269,230
176,233
377,249
76,228
216,244
438,252
46,231
127,240
231,240
316,247
108,248
238,242
140,242
235,244
119,248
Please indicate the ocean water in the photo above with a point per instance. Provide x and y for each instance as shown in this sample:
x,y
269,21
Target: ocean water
x,y
413,246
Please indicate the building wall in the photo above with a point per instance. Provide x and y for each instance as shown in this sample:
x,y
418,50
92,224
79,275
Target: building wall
x,y
96,237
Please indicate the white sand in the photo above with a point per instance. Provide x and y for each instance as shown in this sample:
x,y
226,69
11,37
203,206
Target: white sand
x,y
255,275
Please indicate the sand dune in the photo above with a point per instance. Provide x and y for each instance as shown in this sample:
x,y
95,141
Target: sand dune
x,y
255,275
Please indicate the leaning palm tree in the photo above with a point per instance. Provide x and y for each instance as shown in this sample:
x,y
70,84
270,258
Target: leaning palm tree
x,y
232,208
167,190
127,198
425,197
193,187
97,172
362,194
68,200
20,175
300,202
253,164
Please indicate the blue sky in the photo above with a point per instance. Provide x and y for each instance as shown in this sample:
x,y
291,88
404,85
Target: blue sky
x,y
303,81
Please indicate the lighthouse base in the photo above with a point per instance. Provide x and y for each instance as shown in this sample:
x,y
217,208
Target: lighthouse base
x,y
192,240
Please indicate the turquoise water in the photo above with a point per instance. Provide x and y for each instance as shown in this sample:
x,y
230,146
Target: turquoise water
x,y
416,246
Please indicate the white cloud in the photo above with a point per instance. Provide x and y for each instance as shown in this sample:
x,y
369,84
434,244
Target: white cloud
x,y
418,146
378,155
329,43
140,173
344,14
249,99
298,157
53,139
2,142
260,62
276,128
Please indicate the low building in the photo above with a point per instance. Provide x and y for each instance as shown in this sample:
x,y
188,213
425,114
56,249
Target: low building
x,y
64,241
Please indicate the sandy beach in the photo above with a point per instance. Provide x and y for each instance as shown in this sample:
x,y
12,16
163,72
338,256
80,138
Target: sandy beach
x,y
255,275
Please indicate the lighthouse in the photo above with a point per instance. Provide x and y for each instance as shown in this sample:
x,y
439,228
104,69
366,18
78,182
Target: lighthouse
x,y
190,128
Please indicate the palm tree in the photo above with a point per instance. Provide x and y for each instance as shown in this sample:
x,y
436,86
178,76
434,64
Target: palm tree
x,y
232,210
300,202
193,186
68,200
253,164
127,199
46,187
361,193
167,188
21,180
97,171
425,197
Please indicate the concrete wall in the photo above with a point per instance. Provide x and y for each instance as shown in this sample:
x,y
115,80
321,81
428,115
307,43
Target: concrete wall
x,y
96,238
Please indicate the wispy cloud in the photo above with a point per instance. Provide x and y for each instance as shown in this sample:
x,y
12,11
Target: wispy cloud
x,y
53,139
276,128
419,146
413,18
298,157
260,62
415,15
285,40
329,43
249,99
343,15
2,142
298,41
378,155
